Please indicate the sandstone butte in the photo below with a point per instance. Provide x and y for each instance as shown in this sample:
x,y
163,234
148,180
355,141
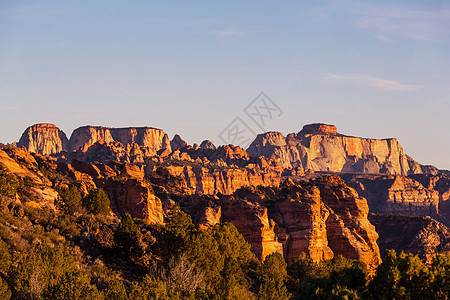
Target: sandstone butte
x,y
319,147
44,139
322,218
49,139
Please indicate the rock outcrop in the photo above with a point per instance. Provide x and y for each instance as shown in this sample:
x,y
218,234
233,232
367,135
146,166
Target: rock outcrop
x,y
224,180
207,144
441,184
321,218
399,195
177,143
424,237
252,221
44,139
123,144
147,137
319,147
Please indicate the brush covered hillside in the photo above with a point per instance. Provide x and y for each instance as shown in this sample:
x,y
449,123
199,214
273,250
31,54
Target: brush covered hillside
x,y
129,214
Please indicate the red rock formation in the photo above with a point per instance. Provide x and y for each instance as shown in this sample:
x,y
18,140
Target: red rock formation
x,y
319,147
322,218
395,195
441,184
223,180
177,143
206,144
44,139
147,137
348,225
252,221
301,226
424,237
209,216
136,198
319,128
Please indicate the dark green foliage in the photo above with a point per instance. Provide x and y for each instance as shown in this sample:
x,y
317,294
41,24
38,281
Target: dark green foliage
x,y
218,256
73,286
440,269
273,276
402,276
97,202
31,273
69,200
8,184
127,237
172,240
339,278
149,288
5,258
115,290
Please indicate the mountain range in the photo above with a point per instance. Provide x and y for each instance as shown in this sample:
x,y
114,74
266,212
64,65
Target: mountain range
x,y
316,191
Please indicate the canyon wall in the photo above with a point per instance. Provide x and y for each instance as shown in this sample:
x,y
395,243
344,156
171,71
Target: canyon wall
x,y
44,139
319,147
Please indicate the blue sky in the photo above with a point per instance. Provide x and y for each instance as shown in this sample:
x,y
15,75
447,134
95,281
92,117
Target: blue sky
x,y
372,68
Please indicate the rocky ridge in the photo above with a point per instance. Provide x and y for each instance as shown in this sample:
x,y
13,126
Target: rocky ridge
x,y
319,147
322,218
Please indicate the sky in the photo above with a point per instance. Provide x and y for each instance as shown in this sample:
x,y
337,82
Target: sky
x,y
375,69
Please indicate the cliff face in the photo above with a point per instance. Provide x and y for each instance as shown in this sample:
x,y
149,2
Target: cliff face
x,y
151,138
424,237
133,143
223,180
254,224
318,147
125,186
441,184
397,195
321,218
44,139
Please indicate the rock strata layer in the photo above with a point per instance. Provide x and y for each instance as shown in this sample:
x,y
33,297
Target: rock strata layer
x,y
319,147
44,139
424,237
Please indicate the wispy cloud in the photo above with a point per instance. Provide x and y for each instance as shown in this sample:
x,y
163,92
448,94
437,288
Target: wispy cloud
x,y
391,22
384,84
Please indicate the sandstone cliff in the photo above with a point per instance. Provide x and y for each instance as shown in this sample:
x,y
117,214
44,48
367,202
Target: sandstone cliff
x,y
397,195
441,184
420,236
319,147
321,218
134,141
44,139
147,137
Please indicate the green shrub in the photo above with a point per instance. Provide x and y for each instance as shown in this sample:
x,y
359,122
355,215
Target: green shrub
x,y
97,202
127,237
69,200
8,184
